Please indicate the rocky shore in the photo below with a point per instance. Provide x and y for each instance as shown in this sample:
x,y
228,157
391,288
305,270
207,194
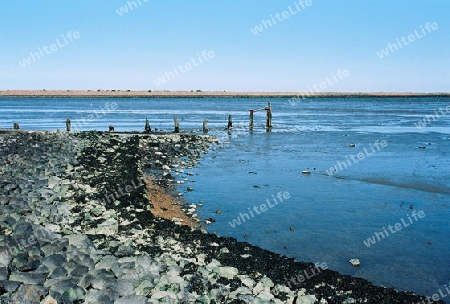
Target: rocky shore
x,y
87,218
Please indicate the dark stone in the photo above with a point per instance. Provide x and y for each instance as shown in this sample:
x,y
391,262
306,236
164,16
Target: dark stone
x,y
19,205
58,272
79,271
30,266
32,278
63,284
9,286
4,273
54,260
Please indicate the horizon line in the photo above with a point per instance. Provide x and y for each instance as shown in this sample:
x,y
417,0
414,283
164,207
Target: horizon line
x,y
200,93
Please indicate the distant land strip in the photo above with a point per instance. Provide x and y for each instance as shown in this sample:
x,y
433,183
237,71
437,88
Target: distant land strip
x,y
207,94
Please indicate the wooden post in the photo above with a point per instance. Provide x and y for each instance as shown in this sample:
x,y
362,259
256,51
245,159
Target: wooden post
x,y
148,129
205,126
251,119
177,124
16,126
230,122
111,128
269,117
68,125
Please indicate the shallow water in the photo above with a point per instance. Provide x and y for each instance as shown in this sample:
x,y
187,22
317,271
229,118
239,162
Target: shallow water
x,y
331,216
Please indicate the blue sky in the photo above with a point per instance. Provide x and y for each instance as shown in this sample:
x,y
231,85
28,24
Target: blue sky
x,y
131,50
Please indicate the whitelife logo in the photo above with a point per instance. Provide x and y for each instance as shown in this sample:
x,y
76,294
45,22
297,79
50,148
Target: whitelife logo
x,y
69,37
184,68
322,85
427,119
131,5
378,236
391,48
377,145
266,24
259,209
107,109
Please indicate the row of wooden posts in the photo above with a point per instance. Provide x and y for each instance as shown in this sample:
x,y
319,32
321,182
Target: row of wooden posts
x,y
177,124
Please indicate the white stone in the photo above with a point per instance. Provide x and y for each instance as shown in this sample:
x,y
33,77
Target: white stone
x,y
247,281
161,294
306,299
354,262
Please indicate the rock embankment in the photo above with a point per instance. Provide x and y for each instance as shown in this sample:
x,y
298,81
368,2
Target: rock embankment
x,y
76,226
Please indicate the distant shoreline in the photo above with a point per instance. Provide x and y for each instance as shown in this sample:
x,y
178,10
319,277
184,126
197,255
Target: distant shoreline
x,y
207,94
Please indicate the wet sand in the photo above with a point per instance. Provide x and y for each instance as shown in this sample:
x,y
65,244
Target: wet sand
x,y
164,204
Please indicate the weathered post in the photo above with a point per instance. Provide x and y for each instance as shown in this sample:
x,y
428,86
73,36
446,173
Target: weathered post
x,y
177,124
269,117
68,125
111,128
148,129
205,126
16,126
251,119
230,122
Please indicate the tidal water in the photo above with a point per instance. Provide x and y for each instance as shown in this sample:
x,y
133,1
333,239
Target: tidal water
x,y
392,187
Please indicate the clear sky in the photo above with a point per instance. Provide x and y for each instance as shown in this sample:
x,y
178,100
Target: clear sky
x,y
108,48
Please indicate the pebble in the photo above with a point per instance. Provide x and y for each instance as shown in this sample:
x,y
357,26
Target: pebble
x,y
354,262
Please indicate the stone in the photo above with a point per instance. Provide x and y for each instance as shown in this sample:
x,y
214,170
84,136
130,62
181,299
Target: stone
x,y
247,281
86,280
61,284
74,293
103,279
100,296
53,181
31,278
9,286
3,273
226,272
108,227
28,294
132,299
158,295
53,228
80,270
58,272
306,299
259,288
239,291
54,260
144,288
5,256
267,282
124,288
48,300
267,296
81,242
354,262
4,200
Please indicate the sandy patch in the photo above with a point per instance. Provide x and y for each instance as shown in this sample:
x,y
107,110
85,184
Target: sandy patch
x,y
164,205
